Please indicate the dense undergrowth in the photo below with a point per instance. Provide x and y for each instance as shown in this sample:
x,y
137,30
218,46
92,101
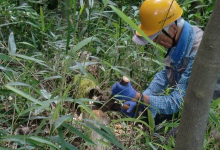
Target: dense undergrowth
x,y
50,59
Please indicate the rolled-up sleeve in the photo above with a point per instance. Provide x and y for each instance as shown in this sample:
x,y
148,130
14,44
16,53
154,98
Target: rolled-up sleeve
x,y
171,103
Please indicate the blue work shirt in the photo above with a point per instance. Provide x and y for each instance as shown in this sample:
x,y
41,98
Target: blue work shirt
x,y
169,104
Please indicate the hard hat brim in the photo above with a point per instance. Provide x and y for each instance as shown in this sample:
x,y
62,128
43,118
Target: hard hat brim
x,y
138,39
141,40
148,33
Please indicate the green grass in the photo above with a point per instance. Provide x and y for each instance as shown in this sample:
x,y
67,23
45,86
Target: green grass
x,y
46,54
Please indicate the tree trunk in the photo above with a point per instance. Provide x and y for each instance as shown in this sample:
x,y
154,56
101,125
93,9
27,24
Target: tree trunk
x,y
205,72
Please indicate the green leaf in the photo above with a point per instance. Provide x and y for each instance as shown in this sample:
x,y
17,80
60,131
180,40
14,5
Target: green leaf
x,y
105,2
7,24
39,127
33,59
82,44
61,120
215,103
152,146
60,133
79,66
56,112
16,108
29,109
5,148
6,69
133,25
106,129
79,133
80,11
52,78
3,91
42,19
118,70
86,108
31,139
26,43
49,25
11,44
18,84
43,140
213,117
85,64
150,120
3,133
104,134
5,57
58,140
25,95
45,94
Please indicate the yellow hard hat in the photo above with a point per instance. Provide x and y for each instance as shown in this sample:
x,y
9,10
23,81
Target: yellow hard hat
x,y
156,14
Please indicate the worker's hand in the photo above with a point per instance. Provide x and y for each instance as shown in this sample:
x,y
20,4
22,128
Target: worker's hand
x,y
131,105
125,92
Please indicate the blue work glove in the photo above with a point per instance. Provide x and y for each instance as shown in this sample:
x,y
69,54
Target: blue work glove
x,y
131,111
125,92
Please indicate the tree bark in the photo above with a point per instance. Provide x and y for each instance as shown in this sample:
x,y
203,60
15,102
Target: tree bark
x,y
205,72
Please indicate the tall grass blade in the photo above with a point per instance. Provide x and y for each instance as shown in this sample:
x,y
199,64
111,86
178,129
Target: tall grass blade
x,y
74,18
26,43
60,121
86,108
5,57
17,91
30,109
118,70
33,59
52,78
6,69
150,120
39,140
45,94
82,69
67,145
81,9
49,25
35,140
3,133
69,25
82,44
18,84
133,25
42,19
79,133
81,66
5,148
105,2
152,146
62,141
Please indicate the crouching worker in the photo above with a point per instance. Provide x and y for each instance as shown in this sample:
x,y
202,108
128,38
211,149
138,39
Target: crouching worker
x,y
161,21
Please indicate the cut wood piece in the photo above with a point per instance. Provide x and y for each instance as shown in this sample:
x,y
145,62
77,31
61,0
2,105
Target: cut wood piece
x,y
126,79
